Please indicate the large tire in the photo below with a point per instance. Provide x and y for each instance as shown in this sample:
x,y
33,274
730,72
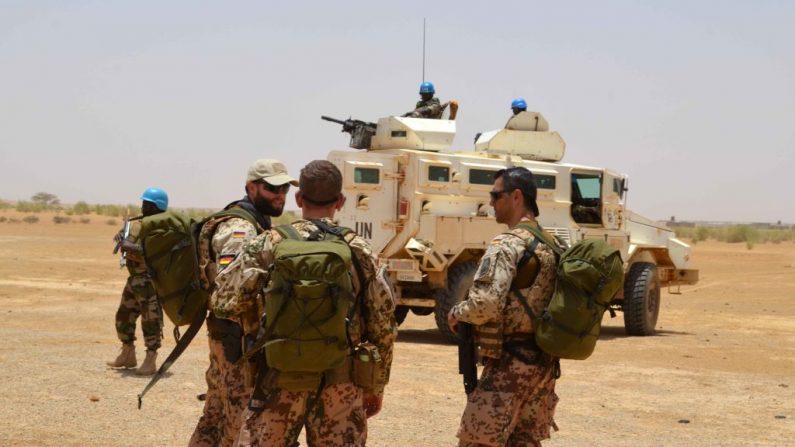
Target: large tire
x,y
400,314
459,280
641,299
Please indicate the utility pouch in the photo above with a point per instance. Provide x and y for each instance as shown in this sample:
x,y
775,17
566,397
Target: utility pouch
x,y
364,359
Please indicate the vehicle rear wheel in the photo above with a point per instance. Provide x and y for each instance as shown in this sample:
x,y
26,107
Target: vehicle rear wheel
x,y
459,280
641,299
422,311
400,314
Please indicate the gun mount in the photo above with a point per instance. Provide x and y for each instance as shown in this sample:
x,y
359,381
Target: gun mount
x,y
361,132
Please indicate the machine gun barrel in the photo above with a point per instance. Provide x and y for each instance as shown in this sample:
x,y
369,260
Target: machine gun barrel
x,y
333,120
467,357
361,131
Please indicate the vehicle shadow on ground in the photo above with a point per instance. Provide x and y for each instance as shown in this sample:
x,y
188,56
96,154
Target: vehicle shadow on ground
x,y
614,332
423,336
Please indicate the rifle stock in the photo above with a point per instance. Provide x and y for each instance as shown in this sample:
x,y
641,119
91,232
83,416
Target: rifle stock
x,y
467,357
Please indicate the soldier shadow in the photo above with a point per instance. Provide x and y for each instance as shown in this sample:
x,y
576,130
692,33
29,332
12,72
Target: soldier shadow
x,y
616,332
125,373
423,336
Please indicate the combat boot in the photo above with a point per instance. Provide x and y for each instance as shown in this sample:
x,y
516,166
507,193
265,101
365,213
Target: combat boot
x,y
148,366
126,358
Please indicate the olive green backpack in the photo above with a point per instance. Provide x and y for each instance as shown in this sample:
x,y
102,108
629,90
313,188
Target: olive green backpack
x,y
588,276
310,301
170,240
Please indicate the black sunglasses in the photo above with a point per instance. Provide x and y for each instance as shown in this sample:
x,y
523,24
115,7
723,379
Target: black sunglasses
x,y
495,195
280,189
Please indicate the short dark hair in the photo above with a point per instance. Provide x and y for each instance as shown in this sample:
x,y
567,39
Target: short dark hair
x,y
522,179
320,182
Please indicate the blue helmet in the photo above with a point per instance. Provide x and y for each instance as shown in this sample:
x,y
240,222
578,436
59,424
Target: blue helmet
x,y
427,87
519,103
156,196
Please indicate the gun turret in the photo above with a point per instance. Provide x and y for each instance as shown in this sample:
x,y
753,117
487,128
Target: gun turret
x,y
361,132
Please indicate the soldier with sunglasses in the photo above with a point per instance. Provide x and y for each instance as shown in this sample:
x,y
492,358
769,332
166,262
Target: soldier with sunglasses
x,y
221,239
514,401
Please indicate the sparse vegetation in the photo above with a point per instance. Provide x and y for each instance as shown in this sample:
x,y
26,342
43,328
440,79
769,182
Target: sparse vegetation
x,y
24,206
3,219
736,234
81,208
46,199
61,219
4,205
85,220
111,222
30,219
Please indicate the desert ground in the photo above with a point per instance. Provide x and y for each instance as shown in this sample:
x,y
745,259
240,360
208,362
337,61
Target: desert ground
x,y
720,371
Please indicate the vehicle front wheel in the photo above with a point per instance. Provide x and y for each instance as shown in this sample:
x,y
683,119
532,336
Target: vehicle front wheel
x,y
459,280
641,299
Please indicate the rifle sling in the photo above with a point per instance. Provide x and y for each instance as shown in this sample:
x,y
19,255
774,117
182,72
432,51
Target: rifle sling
x,y
183,343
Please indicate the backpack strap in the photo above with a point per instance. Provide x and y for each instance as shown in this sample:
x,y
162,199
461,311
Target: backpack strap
x,y
183,343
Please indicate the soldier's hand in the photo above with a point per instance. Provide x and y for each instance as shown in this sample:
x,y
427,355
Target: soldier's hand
x,y
452,322
117,238
372,403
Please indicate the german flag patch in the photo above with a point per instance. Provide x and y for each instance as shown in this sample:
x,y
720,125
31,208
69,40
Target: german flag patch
x,y
225,260
239,234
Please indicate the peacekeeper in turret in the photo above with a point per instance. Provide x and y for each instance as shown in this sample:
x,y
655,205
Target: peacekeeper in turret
x,y
518,106
514,401
220,241
333,404
139,297
428,106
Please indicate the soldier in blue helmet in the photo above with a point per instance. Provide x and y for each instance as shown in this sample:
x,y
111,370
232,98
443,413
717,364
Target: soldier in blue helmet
x,y
139,297
428,106
518,105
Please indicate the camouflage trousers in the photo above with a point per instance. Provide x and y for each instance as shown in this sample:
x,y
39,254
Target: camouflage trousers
x,y
139,299
334,417
512,405
227,396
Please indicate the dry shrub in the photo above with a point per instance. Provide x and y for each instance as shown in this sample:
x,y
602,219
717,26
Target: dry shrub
x,y
30,219
3,218
111,222
85,220
13,220
61,219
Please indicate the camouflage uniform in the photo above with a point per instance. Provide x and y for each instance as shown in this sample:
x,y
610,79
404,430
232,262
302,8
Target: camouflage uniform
x,y
139,299
334,414
514,402
431,108
227,391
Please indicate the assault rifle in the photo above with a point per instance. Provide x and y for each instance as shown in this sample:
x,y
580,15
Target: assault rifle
x,y
361,132
467,356
121,237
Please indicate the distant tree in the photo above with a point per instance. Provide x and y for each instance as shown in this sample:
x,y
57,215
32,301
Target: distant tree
x,y
81,208
45,198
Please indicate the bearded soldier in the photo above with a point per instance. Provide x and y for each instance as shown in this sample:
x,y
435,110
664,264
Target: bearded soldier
x,y
220,241
514,401
332,404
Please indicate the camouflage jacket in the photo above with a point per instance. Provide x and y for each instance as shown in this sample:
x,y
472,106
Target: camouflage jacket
x,y
239,291
431,108
135,257
220,241
491,306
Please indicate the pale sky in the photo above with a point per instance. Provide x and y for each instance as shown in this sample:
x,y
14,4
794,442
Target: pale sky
x,y
694,100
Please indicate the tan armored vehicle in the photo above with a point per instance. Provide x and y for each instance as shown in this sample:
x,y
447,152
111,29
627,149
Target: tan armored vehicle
x,y
425,209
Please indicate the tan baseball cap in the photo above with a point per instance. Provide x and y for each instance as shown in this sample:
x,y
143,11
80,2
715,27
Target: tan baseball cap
x,y
270,170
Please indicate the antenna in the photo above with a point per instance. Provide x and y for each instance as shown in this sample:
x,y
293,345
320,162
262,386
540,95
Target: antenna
x,y
423,49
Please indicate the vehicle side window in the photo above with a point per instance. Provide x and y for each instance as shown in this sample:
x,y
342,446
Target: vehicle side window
x,y
438,173
586,198
481,176
366,175
544,181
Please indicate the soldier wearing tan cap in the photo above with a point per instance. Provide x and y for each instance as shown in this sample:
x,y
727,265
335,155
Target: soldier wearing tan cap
x,y
220,241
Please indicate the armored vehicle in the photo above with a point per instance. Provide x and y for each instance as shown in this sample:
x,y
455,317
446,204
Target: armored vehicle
x,y
425,210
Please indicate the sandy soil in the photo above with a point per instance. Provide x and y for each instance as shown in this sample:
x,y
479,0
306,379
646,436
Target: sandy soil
x,y
721,371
